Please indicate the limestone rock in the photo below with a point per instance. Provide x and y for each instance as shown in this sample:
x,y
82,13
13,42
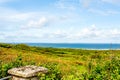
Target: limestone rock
x,y
27,71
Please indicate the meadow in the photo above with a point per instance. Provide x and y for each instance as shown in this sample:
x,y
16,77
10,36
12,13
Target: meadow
x,y
63,64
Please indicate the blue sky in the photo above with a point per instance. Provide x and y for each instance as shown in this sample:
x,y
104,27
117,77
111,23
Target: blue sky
x,y
60,21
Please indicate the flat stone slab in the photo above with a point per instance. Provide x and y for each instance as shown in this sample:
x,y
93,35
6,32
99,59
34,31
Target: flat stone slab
x,y
27,71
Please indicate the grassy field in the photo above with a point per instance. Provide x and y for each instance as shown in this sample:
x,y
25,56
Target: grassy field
x,y
63,64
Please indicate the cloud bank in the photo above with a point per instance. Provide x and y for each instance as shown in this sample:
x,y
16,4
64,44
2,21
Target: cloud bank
x,y
91,33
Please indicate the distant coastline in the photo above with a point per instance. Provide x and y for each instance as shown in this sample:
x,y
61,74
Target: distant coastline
x,y
87,46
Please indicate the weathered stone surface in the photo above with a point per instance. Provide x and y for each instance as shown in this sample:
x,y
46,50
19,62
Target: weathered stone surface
x,y
27,71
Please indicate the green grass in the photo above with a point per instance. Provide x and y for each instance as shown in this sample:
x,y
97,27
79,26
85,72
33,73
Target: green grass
x,y
63,64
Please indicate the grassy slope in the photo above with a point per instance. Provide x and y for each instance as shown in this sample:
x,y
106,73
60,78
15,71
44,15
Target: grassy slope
x,y
69,61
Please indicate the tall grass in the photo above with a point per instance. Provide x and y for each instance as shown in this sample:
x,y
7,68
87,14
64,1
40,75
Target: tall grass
x,y
63,64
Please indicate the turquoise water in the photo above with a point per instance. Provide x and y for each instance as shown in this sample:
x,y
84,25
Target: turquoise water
x,y
77,45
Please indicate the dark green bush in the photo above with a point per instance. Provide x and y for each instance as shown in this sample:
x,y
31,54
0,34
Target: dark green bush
x,y
109,71
22,47
53,72
6,45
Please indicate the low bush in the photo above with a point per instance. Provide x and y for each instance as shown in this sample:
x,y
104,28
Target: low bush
x,y
109,71
4,45
21,47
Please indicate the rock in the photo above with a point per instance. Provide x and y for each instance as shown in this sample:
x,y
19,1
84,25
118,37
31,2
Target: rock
x,y
27,71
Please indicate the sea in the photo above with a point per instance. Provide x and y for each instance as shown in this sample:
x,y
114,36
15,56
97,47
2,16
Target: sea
x,y
90,46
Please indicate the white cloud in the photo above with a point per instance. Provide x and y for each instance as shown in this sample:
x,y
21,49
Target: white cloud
x,y
94,33
111,1
36,24
4,1
2,36
103,12
115,33
91,32
58,34
16,19
28,20
8,14
21,16
64,4
88,34
86,3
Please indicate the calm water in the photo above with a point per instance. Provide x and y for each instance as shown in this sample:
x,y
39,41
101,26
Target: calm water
x,y
77,45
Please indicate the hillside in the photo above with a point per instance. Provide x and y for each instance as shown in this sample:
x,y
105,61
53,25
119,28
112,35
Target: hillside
x,y
63,64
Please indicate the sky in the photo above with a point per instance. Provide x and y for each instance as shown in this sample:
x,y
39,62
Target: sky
x,y
60,21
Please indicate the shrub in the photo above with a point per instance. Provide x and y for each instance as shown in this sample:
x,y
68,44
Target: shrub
x,y
109,71
22,47
6,45
53,72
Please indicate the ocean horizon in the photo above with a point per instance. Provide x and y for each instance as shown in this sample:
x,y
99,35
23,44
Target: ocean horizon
x,y
96,46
